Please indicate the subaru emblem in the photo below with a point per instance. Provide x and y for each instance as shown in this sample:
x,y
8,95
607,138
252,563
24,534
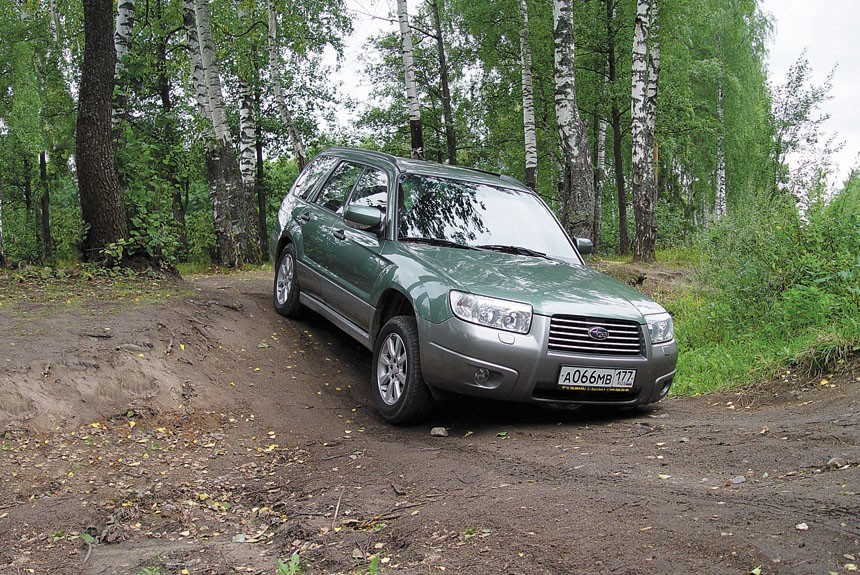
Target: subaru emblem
x,y
598,333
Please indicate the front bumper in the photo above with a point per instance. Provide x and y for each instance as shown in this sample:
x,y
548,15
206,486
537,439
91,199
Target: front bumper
x,y
521,368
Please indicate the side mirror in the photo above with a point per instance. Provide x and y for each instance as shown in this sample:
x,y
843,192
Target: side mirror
x,y
364,218
584,246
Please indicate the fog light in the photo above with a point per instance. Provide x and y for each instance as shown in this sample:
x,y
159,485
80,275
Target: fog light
x,y
482,375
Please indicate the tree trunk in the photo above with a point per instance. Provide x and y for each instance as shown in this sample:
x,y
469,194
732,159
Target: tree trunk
x,y
450,135
2,249
179,193
529,126
645,69
720,207
599,177
45,212
577,181
280,100
248,165
617,134
259,177
416,130
225,182
101,206
122,41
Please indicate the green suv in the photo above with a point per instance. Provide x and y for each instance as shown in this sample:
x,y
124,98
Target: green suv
x,y
462,281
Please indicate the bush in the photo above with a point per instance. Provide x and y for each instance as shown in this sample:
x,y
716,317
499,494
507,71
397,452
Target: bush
x,y
773,288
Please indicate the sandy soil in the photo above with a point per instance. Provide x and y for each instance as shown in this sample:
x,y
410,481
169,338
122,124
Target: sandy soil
x,y
202,433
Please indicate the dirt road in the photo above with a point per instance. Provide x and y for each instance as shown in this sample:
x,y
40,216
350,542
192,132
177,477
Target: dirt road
x,y
202,433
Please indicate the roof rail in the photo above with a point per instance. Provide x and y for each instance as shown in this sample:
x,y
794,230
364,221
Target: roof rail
x,y
381,155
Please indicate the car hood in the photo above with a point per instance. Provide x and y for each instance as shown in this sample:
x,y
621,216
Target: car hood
x,y
550,286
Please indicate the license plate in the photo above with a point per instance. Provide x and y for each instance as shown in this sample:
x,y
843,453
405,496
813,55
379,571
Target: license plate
x,y
573,378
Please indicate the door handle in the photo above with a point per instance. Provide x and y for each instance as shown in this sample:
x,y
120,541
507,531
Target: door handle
x,y
339,234
305,217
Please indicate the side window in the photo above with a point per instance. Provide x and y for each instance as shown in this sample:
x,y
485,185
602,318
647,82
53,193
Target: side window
x,y
333,194
310,176
372,190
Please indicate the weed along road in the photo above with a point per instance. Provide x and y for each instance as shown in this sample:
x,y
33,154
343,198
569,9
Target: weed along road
x,y
195,430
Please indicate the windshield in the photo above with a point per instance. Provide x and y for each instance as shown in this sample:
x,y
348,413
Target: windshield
x,y
479,215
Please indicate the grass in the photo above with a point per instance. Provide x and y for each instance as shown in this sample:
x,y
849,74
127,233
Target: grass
x,y
41,291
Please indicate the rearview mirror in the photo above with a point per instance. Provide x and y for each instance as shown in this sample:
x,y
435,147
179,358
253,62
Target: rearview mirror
x,y
584,246
364,218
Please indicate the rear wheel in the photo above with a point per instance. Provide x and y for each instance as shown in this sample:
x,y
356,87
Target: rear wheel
x,y
399,391
285,293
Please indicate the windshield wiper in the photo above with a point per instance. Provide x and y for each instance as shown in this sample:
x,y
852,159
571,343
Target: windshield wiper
x,y
516,250
437,242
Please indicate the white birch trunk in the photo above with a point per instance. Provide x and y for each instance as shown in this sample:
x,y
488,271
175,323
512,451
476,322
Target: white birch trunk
x,y
122,33
280,100
577,184
211,73
599,177
415,127
248,170
122,42
645,69
529,129
54,22
720,207
196,61
247,136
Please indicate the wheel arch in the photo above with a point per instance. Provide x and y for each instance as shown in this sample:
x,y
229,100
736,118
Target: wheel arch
x,y
392,303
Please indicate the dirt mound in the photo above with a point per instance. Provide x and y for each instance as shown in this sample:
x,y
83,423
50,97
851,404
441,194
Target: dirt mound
x,y
202,433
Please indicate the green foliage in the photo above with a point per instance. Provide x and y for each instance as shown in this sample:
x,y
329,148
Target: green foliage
x,y
773,288
293,567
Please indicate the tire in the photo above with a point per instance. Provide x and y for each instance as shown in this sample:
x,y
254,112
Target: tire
x,y
285,292
399,391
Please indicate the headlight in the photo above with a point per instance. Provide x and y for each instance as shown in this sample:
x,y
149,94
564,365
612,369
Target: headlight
x,y
491,312
660,327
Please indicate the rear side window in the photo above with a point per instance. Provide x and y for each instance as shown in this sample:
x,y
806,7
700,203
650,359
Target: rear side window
x,y
372,190
312,173
335,191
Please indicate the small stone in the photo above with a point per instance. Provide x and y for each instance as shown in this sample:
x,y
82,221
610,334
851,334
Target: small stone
x,y
684,440
837,462
738,480
802,527
439,432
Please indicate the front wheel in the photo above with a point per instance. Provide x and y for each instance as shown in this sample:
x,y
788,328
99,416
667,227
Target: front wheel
x,y
285,293
399,391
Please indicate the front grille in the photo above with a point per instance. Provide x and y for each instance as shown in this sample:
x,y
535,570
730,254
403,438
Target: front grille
x,y
570,333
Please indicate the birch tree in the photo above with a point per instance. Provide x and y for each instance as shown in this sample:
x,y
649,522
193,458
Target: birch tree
x,y
122,41
277,88
101,207
599,177
720,191
222,169
645,70
248,159
576,185
416,130
529,130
